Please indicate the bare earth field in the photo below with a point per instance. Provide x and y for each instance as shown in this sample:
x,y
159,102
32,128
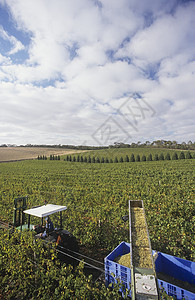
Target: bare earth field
x,y
20,153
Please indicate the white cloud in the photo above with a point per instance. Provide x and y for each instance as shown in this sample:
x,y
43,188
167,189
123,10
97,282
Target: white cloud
x,y
94,56
167,36
16,45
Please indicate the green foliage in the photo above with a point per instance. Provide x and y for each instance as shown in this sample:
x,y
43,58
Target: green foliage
x,y
155,154
132,158
121,159
182,155
116,160
161,156
175,156
188,155
30,270
149,158
97,196
167,156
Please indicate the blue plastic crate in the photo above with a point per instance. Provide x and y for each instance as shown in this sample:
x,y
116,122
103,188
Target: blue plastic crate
x,y
173,266
114,270
177,268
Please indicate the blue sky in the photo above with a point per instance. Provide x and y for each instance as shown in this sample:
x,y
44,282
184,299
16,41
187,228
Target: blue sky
x,y
96,72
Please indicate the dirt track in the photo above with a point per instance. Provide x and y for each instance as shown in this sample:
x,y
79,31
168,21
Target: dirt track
x,y
21,153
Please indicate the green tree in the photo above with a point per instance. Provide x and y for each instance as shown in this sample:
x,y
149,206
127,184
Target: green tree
x,y
188,155
93,159
97,160
74,159
181,155
156,157
161,156
175,156
149,158
106,160
58,157
121,159
126,158
78,158
51,157
102,160
85,159
132,158
89,159
167,156
143,158
81,158
116,160
111,160
70,158
137,157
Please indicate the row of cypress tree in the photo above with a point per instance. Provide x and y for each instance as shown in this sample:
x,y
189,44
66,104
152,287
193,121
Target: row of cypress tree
x,y
40,157
132,158
52,157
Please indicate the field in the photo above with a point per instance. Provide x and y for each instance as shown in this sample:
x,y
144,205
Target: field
x,y
22,153
97,197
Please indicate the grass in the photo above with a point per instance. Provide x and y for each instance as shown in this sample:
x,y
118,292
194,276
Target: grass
x,y
122,152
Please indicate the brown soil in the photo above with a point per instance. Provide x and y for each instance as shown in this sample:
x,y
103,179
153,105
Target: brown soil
x,y
21,153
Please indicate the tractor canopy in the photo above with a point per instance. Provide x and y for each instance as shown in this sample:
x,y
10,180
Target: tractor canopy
x,y
45,210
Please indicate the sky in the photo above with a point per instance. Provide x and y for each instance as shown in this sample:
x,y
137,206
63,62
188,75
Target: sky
x,y
96,72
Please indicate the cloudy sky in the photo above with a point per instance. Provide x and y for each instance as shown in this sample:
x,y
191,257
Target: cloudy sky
x,y
96,72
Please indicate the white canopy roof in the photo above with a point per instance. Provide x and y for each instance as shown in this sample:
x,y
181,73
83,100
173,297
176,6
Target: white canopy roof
x,y
45,210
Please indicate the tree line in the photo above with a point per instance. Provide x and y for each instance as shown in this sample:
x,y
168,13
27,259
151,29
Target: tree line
x,y
147,144
132,158
52,157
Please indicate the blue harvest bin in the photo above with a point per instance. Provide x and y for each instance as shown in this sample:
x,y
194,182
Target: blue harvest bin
x,y
114,270
171,265
178,268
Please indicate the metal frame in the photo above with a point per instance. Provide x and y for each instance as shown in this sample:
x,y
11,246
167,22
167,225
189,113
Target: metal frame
x,y
135,270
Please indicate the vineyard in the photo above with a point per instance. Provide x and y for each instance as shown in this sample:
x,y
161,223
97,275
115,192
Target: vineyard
x,y
97,197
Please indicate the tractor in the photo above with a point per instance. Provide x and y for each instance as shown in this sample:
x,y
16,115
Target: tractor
x,y
21,220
